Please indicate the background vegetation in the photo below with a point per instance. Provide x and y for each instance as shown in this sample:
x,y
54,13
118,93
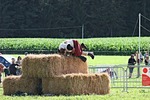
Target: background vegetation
x,y
64,18
104,46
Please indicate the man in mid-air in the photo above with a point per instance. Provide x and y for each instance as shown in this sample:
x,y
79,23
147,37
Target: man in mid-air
x,y
72,47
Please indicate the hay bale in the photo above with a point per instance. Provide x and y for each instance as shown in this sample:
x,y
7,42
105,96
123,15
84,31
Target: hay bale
x,y
74,84
14,84
52,65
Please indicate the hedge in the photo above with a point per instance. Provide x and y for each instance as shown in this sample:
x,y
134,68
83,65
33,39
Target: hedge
x,y
104,46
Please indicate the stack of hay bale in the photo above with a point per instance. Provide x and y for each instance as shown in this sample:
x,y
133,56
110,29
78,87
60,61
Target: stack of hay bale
x,y
56,74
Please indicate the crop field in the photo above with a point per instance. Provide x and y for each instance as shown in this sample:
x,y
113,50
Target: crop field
x,y
128,44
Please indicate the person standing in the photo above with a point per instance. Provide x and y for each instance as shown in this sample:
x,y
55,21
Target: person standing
x,y
139,59
131,63
147,61
19,62
13,67
1,70
146,54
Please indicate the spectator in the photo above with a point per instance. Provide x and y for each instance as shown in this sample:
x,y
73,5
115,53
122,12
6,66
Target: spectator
x,y
26,53
139,57
146,54
147,61
131,62
1,70
13,67
6,71
19,62
74,48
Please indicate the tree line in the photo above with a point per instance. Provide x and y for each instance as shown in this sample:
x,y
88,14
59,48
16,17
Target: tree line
x,y
65,18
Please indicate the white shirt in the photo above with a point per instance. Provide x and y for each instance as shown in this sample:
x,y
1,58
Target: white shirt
x,y
62,46
69,42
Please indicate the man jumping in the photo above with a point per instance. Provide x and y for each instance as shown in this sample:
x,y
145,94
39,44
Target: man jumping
x,y
72,47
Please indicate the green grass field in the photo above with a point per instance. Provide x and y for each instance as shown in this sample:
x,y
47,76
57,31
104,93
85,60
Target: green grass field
x,y
102,59
108,60
115,94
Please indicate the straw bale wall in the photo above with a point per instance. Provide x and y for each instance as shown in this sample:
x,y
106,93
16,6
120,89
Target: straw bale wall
x,y
52,65
56,74
74,84
14,84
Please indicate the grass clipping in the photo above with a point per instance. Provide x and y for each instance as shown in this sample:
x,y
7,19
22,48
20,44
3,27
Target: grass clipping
x,y
14,84
52,65
75,84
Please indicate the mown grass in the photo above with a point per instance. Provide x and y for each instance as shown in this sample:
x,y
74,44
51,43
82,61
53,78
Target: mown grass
x,y
115,94
99,59
108,60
